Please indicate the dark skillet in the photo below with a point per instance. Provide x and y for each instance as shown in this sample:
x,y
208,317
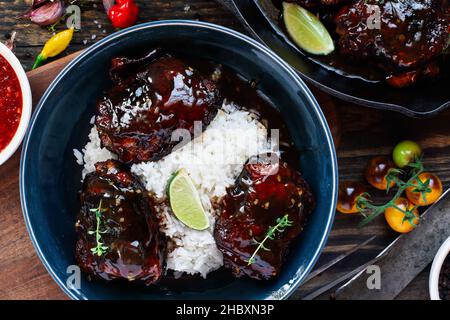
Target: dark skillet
x,y
424,99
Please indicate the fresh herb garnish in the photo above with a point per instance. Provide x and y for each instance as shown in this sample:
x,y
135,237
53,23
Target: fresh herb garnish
x,y
282,224
371,211
100,248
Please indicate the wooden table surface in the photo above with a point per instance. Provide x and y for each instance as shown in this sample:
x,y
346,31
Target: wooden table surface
x,y
364,133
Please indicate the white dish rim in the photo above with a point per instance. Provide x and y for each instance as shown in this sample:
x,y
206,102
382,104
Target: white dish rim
x,y
27,104
436,267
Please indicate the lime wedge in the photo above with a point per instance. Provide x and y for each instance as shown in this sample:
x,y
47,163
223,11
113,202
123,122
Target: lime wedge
x,y
306,30
185,201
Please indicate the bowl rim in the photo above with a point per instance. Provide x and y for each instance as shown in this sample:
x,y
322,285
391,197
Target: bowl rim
x,y
433,282
299,277
27,104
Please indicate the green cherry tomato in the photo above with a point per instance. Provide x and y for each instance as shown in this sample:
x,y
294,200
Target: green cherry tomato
x,y
405,152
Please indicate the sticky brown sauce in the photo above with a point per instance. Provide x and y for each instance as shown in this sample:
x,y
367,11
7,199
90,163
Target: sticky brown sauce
x,y
244,95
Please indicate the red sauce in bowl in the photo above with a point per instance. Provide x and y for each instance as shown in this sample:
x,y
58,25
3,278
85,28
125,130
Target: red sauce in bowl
x,y
10,103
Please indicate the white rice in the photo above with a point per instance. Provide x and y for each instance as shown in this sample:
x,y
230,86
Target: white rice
x,y
93,152
213,161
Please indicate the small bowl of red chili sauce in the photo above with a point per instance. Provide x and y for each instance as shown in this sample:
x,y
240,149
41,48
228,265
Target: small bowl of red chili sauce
x,y
15,103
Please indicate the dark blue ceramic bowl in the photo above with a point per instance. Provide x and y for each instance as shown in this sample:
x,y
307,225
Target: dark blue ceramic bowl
x,y
50,176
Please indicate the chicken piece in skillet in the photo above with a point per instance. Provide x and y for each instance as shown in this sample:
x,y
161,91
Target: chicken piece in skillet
x,y
117,233
264,192
152,97
411,35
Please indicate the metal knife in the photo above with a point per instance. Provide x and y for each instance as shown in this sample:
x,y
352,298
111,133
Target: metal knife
x,y
404,258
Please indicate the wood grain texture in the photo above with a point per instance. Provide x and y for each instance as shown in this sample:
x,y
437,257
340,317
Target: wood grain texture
x,y
22,275
364,133
95,24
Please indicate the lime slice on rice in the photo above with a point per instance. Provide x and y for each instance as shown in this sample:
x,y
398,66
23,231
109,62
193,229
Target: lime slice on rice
x,y
306,30
185,201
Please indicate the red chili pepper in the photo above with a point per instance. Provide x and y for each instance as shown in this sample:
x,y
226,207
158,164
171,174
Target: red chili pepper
x,y
123,14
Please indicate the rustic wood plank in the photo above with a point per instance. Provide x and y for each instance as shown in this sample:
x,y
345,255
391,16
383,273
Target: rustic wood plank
x,y
22,275
365,133
95,24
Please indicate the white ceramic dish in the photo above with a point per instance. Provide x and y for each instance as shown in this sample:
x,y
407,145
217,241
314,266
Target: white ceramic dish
x,y
15,142
436,267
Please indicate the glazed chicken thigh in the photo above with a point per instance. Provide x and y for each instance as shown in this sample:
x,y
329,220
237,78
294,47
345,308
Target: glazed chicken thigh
x,y
402,40
118,234
152,97
264,192
410,35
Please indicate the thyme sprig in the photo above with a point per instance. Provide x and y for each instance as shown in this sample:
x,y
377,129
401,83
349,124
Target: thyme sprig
x,y
282,224
100,248
371,211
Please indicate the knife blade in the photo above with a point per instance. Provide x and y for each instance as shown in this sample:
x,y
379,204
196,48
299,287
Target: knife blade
x,y
404,258
330,264
335,282
336,260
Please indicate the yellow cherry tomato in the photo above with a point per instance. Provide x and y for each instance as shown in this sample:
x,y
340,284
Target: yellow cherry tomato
x,y
376,171
396,218
431,187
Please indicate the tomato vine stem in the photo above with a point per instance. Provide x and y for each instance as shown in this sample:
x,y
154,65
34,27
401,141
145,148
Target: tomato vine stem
x,y
371,211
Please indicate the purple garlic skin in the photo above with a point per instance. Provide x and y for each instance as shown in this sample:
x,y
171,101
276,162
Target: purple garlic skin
x,y
38,3
46,12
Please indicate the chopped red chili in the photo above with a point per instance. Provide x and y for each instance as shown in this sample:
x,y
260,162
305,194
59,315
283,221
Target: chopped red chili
x,y
10,103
